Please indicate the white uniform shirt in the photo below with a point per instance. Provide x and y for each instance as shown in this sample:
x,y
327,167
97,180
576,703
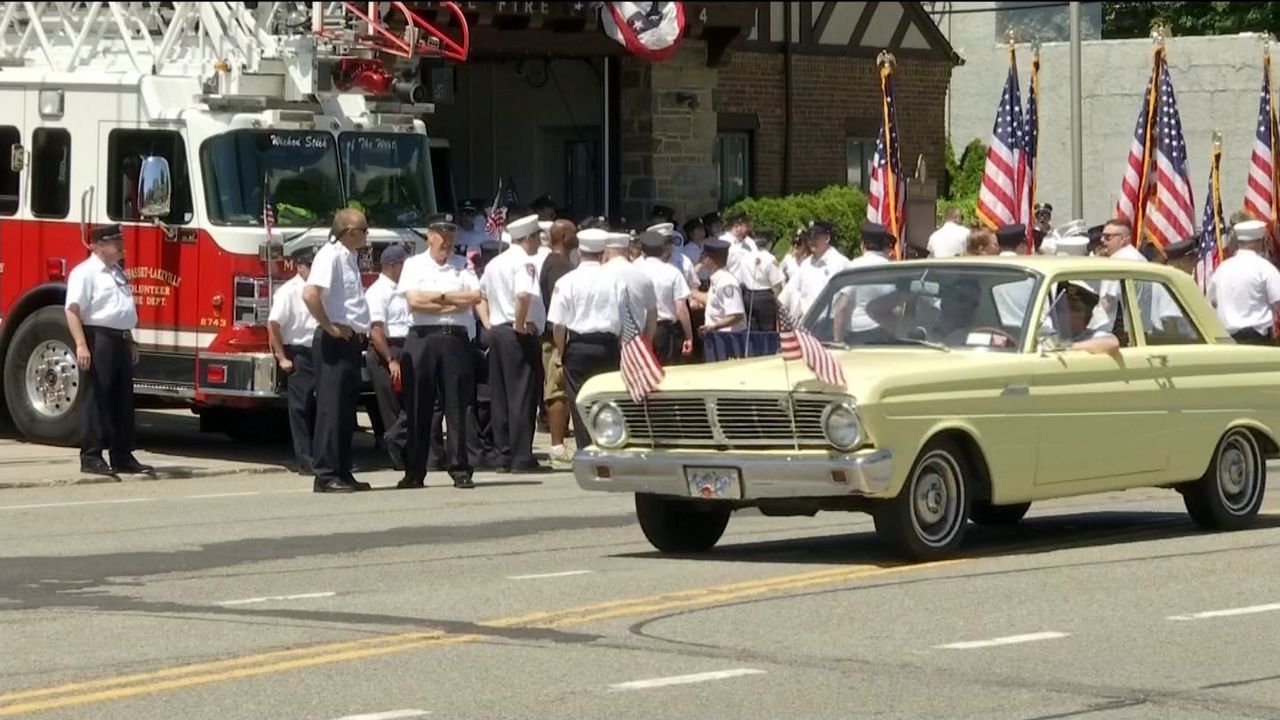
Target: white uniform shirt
x,y
511,274
681,262
1244,288
669,286
1153,306
743,260
297,325
335,271
860,321
388,307
422,272
811,280
790,266
1012,299
949,240
103,295
634,284
585,300
724,299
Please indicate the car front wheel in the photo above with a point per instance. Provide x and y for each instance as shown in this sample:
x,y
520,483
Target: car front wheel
x,y
673,525
1229,494
926,521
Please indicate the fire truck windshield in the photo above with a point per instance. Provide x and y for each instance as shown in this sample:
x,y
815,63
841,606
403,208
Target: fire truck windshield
x,y
388,176
299,170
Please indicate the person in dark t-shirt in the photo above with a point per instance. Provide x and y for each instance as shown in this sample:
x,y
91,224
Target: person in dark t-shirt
x,y
564,239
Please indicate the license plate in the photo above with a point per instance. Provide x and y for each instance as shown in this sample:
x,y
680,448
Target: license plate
x,y
714,483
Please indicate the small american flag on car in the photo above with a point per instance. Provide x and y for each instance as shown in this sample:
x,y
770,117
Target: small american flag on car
x,y
796,343
641,369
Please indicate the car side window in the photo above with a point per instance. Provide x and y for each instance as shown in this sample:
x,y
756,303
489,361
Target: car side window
x,y
1164,320
1081,309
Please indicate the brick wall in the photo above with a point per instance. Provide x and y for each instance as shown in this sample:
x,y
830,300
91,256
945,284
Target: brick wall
x,y
826,92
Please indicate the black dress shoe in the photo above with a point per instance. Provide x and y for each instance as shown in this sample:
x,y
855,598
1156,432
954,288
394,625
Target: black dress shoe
x,y
333,485
410,484
534,469
351,480
465,483
503,470
131,466
397,457
96,466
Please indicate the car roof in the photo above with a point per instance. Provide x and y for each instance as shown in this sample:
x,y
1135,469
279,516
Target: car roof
x,y
1047,264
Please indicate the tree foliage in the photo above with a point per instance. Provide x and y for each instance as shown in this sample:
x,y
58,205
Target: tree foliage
x,y
961,181
1134,19
843,206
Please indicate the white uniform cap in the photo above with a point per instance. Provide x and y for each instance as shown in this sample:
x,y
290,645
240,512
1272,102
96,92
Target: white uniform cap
x,y
545,225
522,228
593,240
616,241
662,228
1250,230
1076,245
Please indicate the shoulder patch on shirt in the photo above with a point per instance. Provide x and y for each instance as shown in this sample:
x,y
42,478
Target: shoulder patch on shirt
x,y
533,273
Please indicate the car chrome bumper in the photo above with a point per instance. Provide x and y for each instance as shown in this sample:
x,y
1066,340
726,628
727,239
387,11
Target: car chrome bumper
x,y
800,475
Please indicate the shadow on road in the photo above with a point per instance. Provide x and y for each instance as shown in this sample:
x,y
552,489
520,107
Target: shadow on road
x,y
1031,536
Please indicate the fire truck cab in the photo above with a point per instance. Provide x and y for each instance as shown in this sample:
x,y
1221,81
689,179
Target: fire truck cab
x,y
221,136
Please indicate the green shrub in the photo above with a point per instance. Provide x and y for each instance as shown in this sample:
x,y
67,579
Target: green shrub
x,y
962,180
844,207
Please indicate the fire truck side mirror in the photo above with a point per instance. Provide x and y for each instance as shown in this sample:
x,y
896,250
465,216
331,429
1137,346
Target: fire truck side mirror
x,y
17,158
155,187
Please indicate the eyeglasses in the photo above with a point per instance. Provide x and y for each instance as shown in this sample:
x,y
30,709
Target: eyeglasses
x,y
1108,236
359,228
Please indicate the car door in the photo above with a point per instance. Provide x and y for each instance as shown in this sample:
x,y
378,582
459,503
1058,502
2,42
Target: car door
x,y
1100,414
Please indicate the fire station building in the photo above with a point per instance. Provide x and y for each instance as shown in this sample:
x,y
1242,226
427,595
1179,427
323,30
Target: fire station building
x,y
762,98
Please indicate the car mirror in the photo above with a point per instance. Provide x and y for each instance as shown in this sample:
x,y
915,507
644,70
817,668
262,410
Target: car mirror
x,y
155,187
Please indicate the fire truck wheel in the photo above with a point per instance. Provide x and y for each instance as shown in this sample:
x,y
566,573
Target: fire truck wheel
x,y
42,380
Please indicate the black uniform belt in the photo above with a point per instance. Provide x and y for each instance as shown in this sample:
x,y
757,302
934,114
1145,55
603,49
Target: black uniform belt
x,y
298,348
395,341
666,323
110,332
425,330
749,291
593,337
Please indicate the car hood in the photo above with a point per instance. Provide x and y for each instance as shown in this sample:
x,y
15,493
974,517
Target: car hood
x,y
867,372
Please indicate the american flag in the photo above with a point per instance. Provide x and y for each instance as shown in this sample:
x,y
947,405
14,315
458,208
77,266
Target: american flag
x,y
268,213
1032,148
887,161
495,219
1209,250
1259,193
1001,199
1170,214
641,369
1135,172
796,343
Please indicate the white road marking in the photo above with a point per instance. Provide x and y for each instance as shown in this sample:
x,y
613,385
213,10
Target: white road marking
x,y
222,495
72,504
388,715
685,679
1227,613
1008,640
303,596
566,573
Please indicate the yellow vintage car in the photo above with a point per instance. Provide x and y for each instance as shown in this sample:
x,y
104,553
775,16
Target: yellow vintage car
x,y
973,388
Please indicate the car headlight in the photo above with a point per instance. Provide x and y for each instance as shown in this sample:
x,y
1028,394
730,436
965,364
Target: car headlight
x,y
608,425
841,426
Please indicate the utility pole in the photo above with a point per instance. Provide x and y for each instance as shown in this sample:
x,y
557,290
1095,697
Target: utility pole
x,y
1077,130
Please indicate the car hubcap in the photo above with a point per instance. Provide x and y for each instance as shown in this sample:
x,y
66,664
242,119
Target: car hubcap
x,y
937,498
53,378
1238,466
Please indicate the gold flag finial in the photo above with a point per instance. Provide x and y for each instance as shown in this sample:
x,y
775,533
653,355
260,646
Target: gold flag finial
x,y
1011,36
886,58
1160,31
1217,140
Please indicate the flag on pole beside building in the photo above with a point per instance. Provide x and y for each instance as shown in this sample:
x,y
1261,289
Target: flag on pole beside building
x,y
888,189
1170,212
1002,196
1133,187
796,343
1260,190
1032,140
496,216
641,369
1209,250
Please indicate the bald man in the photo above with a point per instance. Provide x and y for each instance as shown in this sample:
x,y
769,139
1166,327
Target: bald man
x,y
564,240
334,295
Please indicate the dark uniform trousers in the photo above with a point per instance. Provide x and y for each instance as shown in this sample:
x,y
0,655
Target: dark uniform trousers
x,y
337,372
515,375
762,309
667,342
390,408
108,408
585,356
698,318
1250,336
479,426
438,363
302,404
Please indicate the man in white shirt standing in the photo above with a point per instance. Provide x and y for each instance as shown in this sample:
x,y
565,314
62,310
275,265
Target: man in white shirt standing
x,y
1245,289
726,312
824,261
291,330
334,295
673,336
851,321
101,316
389,326
514,314
438,362
951,239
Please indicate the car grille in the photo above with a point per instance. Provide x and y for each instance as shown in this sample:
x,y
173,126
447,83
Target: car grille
x,y
726,422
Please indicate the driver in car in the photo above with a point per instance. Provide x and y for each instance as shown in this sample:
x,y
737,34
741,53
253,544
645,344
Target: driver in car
x,y
1072,312
957,302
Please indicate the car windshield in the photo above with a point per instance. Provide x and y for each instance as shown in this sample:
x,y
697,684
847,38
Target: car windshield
x,y
298,168
388,177
946,307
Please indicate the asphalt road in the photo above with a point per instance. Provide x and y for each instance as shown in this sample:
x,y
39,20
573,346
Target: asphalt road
x,y
250,597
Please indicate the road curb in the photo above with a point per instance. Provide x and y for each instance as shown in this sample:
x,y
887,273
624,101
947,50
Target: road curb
x,y
170,475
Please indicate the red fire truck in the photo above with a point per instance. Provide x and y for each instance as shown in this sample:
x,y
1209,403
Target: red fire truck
x,y
183,122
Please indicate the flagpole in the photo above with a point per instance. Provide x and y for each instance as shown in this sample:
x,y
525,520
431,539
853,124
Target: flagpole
x,y
1035,151
1214,178
1157,58
886,62
1275,151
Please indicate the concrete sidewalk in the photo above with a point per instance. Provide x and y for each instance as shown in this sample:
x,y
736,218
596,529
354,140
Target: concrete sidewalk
x,y
171,442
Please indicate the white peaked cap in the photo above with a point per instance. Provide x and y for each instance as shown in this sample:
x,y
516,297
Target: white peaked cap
x,y
593,240
522,228
617,241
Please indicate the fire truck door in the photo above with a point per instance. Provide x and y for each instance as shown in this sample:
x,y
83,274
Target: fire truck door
x,y
159,256
12,160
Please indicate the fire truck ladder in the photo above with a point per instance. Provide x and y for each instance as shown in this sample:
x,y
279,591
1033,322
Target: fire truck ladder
x,y
222,42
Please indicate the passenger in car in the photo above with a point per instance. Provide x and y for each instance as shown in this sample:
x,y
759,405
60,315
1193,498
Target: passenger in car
x,y
1080,301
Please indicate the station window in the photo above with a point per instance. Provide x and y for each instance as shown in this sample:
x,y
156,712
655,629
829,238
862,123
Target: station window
x,y
50,173
858,154
733,155
9,178
125,151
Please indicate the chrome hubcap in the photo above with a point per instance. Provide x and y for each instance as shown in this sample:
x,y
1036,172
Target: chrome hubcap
x,y
1238,468
938,497
53,378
